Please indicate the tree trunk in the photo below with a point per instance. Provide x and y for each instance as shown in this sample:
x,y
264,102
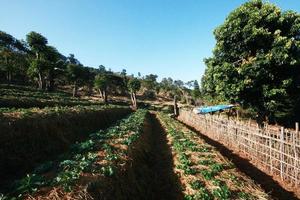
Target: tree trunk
x,y
9,77
175,106
40,81
50,85
104,96
75,89
131,97
187,99
90,92
8,71
100,93
134,98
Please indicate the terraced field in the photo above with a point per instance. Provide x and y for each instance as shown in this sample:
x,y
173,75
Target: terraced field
x,y
96,151
12,96
31,136
100,155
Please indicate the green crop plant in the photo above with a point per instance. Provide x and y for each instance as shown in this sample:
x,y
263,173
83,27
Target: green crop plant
x,y
217,182
207,174
107,170
17,96
207,162
217,168
203,194
188,197
196,185
83,157
245,195
185,159
204,148
236,180
222,193
29,184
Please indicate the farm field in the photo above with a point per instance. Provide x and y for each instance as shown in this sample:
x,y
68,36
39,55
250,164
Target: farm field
x,y
105,163
12,96
108,151
203,172
99,153
45,133
150,100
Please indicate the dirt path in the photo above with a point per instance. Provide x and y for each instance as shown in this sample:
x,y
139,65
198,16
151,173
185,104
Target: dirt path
x,y
165,183
149,173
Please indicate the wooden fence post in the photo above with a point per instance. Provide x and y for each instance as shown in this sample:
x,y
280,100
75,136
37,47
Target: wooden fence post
x,y
281,151
270,147
295,151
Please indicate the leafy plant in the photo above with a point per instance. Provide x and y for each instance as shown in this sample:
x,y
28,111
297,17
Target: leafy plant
x,y
107,170
83,157
222,193
207,174
196,185
207,162
29,184
203,194
216,168
245,195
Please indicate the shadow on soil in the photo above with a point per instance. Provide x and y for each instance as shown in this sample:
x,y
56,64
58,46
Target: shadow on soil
x,y
165,182
149,173
264,180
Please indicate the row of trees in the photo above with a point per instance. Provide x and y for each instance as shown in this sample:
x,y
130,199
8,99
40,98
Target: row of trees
x,y
35,62
256,62
147,86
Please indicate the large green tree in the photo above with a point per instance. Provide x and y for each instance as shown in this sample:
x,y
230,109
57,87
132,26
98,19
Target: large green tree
x,y
149,82
13,55
256,61
38,46
75,72
196,91
102,82
54,66
134,86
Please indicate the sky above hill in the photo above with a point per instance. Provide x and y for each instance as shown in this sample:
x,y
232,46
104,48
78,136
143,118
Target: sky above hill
x,y
169,38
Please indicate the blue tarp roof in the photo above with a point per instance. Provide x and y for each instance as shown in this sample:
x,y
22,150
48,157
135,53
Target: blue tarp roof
x,y
211,109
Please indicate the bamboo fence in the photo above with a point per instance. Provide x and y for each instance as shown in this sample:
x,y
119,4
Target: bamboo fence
x,y
274,150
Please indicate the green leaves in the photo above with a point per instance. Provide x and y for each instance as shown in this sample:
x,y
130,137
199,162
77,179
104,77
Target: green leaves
x,y
101,81
257,50
36,41
134,84
83,157
29,184
107,170
222,192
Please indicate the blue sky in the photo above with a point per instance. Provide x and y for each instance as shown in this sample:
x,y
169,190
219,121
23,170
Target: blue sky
x,y
169,38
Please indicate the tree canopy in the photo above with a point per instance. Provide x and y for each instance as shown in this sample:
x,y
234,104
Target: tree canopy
x,y
256,61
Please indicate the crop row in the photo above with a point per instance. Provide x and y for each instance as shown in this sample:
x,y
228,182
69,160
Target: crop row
x,y
24,97
203,171
22,113
99,155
